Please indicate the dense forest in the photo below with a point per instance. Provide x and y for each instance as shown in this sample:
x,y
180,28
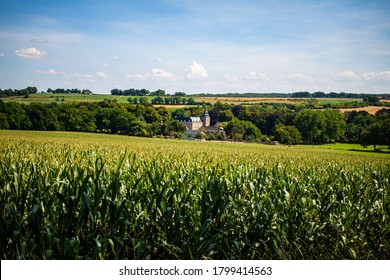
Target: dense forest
x,y
286,123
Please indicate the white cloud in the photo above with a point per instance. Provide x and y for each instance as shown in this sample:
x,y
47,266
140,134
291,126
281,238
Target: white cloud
x,y
155,74
382,76
2,55
106,64
101,74
31,53
197,71
299,77
253,75
88,76
162,74
77,75
50,72
349,75
84,77
138,77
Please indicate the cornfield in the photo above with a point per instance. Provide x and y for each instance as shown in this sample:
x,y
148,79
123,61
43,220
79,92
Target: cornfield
x,y
87,196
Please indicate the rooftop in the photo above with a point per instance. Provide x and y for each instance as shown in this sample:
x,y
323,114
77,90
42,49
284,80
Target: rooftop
x,y
189,119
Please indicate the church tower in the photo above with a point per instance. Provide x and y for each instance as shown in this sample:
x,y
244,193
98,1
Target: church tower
x,y
205,118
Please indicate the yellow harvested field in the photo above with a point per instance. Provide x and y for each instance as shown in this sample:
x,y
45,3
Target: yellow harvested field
x,y
170,106
369,109
240,100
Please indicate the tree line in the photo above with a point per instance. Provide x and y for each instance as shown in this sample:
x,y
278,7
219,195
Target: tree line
x,y
69,91
18,92
142,92
32,90
299,94
167,100
104,117
292,124
287,124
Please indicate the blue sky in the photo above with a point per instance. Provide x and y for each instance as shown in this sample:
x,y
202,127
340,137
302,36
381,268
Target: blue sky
x,y
196,46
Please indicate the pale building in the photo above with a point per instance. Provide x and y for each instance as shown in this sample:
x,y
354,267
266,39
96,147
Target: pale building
x,y
195,123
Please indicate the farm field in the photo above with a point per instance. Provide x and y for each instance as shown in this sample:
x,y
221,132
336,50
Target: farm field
x,y
60,98
369,109
71,195
48,98
253,100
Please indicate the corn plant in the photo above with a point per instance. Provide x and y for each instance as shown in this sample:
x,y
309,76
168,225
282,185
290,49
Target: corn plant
x,y
112,197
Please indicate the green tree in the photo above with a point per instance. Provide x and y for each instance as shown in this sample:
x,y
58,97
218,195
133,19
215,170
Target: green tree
x,y
17,117
213,113
159,92
119,121
357,122
143,100
77,117
88,119
288,135
377,133
164,113
114,91
311,124
32,89
42,117
335,125
150,114
191,101
319,127
225,116
371,100
242,130
3,121
235,129
158,100
252,133
369,135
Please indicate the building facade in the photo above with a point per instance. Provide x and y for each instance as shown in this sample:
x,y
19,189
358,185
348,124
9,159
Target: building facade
x,y
195,123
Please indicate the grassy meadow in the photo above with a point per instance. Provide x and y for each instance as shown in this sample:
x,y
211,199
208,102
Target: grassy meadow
x,y
93,196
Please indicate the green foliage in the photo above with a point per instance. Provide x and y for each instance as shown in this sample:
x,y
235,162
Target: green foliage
x,y
335,125
242,130
3,121
111,197
143,100
377,133
319,127
371,100
41,117
357,122
16,116
225,116
289,135
243,123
